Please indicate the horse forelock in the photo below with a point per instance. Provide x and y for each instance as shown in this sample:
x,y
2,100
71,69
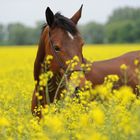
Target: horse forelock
x,y
64,23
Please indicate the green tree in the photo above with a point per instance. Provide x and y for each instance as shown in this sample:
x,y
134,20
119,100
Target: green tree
x,y
123,26
120,32
2,34
92,32
136,31
126,13
17,34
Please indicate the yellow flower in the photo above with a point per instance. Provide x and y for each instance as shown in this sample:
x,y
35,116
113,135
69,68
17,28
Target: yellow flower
x,y
68,62
4,122
136,62
125,94
73,65
76,58
49,57
97,136
123,67
84,120
40,97
20,128
98,116
113,77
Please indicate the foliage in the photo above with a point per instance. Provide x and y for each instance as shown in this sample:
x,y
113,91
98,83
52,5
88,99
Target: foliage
x,y
19,34
121,27
126,13
101,114
123,31
92,32
116,32
1,34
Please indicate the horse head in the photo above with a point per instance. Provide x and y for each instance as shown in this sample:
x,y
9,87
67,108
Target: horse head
x,y
62,39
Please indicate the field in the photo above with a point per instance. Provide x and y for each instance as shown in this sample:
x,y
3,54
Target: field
x,y
112,115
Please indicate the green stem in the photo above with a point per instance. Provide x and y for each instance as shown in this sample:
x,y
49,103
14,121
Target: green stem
x,y
46,88
61,81
47,95
125,77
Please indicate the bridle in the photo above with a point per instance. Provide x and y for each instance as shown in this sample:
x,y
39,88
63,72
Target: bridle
x,y
59,60
62,66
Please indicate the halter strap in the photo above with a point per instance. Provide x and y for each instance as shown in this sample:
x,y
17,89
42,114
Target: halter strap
x,y
58,59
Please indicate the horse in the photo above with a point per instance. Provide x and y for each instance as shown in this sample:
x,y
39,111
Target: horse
x,y
124,66
61,38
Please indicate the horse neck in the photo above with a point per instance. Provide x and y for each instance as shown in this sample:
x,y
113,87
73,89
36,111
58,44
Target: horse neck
x,y
53,84
40,55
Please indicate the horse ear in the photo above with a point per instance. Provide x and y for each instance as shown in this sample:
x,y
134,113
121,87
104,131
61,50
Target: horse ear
x,y
75,18
49,16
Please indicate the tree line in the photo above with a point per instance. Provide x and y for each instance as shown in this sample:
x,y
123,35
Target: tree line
x,y
19,34
123,26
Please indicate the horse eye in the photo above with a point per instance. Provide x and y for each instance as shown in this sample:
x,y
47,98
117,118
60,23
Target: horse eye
x,y
56,48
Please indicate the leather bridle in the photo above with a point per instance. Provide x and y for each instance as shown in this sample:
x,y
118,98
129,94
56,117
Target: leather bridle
x,y
59,60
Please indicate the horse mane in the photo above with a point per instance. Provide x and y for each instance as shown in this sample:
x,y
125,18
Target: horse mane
x,y
64,23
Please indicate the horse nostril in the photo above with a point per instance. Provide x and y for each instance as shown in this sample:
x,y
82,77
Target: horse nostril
x,y
75,94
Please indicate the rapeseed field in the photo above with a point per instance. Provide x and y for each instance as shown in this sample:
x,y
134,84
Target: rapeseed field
x,y
101,114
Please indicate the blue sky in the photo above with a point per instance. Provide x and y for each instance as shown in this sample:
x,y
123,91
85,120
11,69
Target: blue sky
x,y
30,11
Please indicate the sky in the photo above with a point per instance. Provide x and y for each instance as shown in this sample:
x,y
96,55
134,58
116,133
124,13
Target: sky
x,y
31,11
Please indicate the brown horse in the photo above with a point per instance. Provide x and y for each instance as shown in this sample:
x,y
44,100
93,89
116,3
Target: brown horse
x,y
61,39
101,69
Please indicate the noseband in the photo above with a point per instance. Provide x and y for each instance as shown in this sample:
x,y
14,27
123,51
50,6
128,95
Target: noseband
x,y
59,60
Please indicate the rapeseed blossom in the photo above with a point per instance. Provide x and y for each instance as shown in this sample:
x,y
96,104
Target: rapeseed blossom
x,y
123,67
100,113
136,62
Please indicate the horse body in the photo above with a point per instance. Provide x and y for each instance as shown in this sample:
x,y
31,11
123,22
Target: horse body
x,y
100,69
